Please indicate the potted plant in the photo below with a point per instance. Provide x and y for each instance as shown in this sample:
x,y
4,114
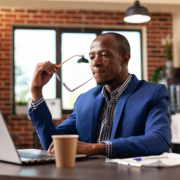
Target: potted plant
x,y
158,74
167,43
22,89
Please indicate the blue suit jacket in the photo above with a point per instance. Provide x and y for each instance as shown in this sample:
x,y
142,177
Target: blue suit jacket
x,y
141,124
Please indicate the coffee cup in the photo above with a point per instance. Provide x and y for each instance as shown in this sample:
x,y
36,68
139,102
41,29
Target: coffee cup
x,y
65,150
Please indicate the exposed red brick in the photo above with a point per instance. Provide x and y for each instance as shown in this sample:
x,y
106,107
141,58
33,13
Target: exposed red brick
x,y
77,17
24,16
50,16
103,18
45,11
108,13
6,9
96,12
19,21
108,23
115,18
90,17
8,25
58,22
32,21
96,23
167,15
120,13
71,12
6,49
19,10
32,11
6,29
46,22
71,22
10,15
58,12
38,16
6,20
64,17
16,129
29,139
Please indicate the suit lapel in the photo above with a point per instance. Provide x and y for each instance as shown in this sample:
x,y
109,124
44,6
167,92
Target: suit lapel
x,y
120,105
96,117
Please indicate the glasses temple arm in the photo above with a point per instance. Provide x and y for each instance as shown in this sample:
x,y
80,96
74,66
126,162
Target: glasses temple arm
x,y
84,83
68,59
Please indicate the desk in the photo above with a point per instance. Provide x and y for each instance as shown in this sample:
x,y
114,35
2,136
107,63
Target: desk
x,y
86,169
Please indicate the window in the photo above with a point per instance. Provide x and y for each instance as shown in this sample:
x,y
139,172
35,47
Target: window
x,y
73,73
135,63
32,46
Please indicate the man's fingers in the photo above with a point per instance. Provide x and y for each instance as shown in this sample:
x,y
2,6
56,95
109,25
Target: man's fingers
x,y
47,67
47,70
53,66
57,67
51,147
52,150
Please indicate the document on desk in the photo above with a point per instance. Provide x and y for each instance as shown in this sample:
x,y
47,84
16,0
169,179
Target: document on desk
x,y
163,160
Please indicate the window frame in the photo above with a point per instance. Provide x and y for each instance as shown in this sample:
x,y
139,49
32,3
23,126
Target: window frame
x,y
71,29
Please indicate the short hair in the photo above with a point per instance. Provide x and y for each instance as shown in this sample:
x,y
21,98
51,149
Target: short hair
x,y
122,42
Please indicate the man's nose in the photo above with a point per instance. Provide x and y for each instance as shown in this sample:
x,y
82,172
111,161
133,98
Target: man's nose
x,y
97,61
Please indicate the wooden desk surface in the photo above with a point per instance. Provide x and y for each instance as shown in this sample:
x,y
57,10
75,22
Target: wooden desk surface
x,y
86,169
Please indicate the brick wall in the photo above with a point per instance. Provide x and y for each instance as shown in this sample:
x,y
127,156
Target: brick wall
x,y
157,28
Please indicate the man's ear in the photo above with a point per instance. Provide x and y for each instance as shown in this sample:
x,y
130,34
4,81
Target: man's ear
x,y
126,58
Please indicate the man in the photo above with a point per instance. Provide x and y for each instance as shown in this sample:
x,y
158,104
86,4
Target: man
x,y
122,117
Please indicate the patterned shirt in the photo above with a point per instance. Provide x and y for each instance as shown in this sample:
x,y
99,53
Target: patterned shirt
x,y
106,117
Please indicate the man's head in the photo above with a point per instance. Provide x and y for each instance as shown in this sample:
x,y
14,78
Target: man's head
x,y
110,54
122,43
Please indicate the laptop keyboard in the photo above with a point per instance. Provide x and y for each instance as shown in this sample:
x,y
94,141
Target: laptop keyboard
x,y
35,156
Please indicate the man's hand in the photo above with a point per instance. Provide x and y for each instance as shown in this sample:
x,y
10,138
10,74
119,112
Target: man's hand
x,y
86,148
42,74
91,148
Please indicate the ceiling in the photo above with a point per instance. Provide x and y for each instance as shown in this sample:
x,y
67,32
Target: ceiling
x,y
169,6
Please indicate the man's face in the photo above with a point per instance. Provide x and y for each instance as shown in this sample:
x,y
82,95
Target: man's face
x,y
106,60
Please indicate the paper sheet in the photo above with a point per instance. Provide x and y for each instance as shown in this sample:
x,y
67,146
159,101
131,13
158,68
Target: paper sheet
x,y
163,160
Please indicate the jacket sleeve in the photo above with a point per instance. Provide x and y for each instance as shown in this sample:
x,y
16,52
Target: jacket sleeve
x,y
157,136
42,120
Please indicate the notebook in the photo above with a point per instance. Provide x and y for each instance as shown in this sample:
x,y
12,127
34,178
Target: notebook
x,y
9,153
163,160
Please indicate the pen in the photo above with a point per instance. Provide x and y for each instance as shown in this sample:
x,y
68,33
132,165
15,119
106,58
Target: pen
x,y
147,158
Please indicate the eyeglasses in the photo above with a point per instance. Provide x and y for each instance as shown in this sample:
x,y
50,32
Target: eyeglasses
x,y
71,90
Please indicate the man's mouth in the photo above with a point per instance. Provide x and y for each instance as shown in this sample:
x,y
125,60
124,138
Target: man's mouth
x,y
99,72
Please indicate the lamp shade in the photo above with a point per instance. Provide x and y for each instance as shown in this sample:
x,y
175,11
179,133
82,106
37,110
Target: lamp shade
x,y
83,60
137,14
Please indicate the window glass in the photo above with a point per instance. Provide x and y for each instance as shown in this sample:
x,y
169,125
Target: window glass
x,y
30,48
73,73
135,63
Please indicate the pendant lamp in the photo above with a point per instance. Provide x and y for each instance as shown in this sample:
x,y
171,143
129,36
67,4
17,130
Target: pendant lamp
x,y
83,59
137,14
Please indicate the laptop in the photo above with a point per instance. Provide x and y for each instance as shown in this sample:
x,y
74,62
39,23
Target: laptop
x,y
9,153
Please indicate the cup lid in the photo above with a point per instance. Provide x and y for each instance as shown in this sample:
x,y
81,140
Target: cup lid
x,y
65,136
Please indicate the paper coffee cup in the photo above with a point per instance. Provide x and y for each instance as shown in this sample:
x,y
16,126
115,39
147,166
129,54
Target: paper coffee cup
x,y
65,150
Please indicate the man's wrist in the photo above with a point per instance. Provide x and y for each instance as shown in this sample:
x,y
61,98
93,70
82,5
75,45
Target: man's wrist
x,y
36,92
99,149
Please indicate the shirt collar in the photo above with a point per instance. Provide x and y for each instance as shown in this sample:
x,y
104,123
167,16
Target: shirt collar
x,y
115,95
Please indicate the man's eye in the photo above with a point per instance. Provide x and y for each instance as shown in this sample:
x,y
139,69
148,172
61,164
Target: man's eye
x,y
92,57
105,55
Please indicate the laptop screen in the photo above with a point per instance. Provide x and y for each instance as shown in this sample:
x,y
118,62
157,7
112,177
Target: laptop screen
x,y
8,151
